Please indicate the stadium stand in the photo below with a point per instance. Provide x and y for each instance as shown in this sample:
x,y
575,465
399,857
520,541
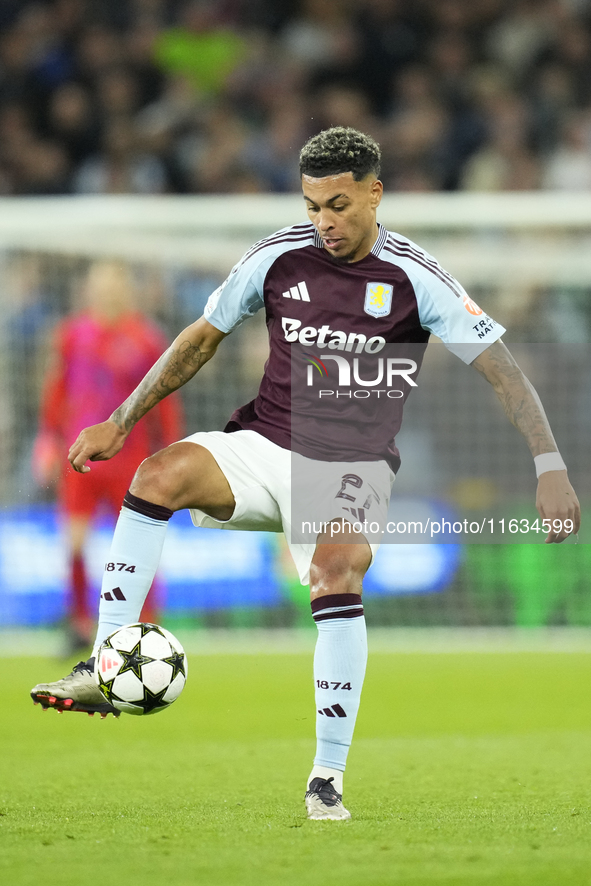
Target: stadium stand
x,y
147,97
208,96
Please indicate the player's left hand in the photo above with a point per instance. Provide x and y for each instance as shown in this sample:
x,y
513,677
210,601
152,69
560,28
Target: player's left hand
x,y
557,502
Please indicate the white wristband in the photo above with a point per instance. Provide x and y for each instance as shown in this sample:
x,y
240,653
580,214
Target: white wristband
x,y
549,461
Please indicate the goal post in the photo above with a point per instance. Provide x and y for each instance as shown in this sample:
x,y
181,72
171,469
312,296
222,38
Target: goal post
x,y
537,238
525,258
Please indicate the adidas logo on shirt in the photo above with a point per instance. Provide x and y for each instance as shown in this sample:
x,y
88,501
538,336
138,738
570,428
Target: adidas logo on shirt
x,y
299,292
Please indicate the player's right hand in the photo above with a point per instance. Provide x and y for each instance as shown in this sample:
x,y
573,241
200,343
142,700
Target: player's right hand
x,y
96,443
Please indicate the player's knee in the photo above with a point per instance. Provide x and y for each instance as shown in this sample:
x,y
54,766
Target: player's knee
x,y
338,569
160,479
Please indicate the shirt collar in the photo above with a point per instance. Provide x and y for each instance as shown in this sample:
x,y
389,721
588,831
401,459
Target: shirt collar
x,y
376,248
381,240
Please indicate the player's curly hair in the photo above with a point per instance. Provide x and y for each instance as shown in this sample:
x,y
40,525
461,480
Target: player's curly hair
x,y
340,149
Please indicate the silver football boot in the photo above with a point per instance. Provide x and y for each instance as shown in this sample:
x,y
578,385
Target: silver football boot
x,y
323,801
76,692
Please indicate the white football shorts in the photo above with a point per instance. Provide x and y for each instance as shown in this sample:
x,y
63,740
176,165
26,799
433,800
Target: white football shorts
x,y
261,474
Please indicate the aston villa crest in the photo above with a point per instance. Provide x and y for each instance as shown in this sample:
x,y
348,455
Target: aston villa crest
x,y
378,299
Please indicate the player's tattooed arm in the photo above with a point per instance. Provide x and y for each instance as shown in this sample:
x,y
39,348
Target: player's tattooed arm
x,y
174,369
187,354
556,499
518,397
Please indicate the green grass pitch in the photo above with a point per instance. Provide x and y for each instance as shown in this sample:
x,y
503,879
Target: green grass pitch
x,y
466,769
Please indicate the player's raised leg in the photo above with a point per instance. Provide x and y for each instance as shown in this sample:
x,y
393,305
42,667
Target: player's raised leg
x,y
183,475
340,659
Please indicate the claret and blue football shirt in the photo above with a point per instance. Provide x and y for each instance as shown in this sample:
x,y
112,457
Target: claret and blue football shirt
x,y
397,294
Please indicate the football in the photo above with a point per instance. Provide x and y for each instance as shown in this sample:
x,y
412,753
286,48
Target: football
x,y
141,668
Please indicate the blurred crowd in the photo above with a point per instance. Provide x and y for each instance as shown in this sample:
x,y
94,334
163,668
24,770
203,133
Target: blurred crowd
x,y
198,96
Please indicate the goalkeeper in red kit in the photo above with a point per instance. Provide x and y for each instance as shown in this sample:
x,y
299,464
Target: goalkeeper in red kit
x,y
99,354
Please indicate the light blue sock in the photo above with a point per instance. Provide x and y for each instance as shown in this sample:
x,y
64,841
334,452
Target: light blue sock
x,y
133,560
339,669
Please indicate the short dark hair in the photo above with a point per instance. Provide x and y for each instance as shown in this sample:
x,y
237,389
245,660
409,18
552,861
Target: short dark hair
x,y
340,149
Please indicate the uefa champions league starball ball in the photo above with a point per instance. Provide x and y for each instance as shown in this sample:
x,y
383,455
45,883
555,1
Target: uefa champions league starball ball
x,y
141,668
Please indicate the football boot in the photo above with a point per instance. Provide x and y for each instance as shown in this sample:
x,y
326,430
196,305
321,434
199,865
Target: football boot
x,y
76,692
323,801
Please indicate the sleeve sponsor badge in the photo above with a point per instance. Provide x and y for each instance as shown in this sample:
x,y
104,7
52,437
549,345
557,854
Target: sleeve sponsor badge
x,y
378,299
471,306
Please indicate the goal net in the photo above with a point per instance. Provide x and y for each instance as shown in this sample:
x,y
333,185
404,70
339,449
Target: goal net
x,y
524,258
